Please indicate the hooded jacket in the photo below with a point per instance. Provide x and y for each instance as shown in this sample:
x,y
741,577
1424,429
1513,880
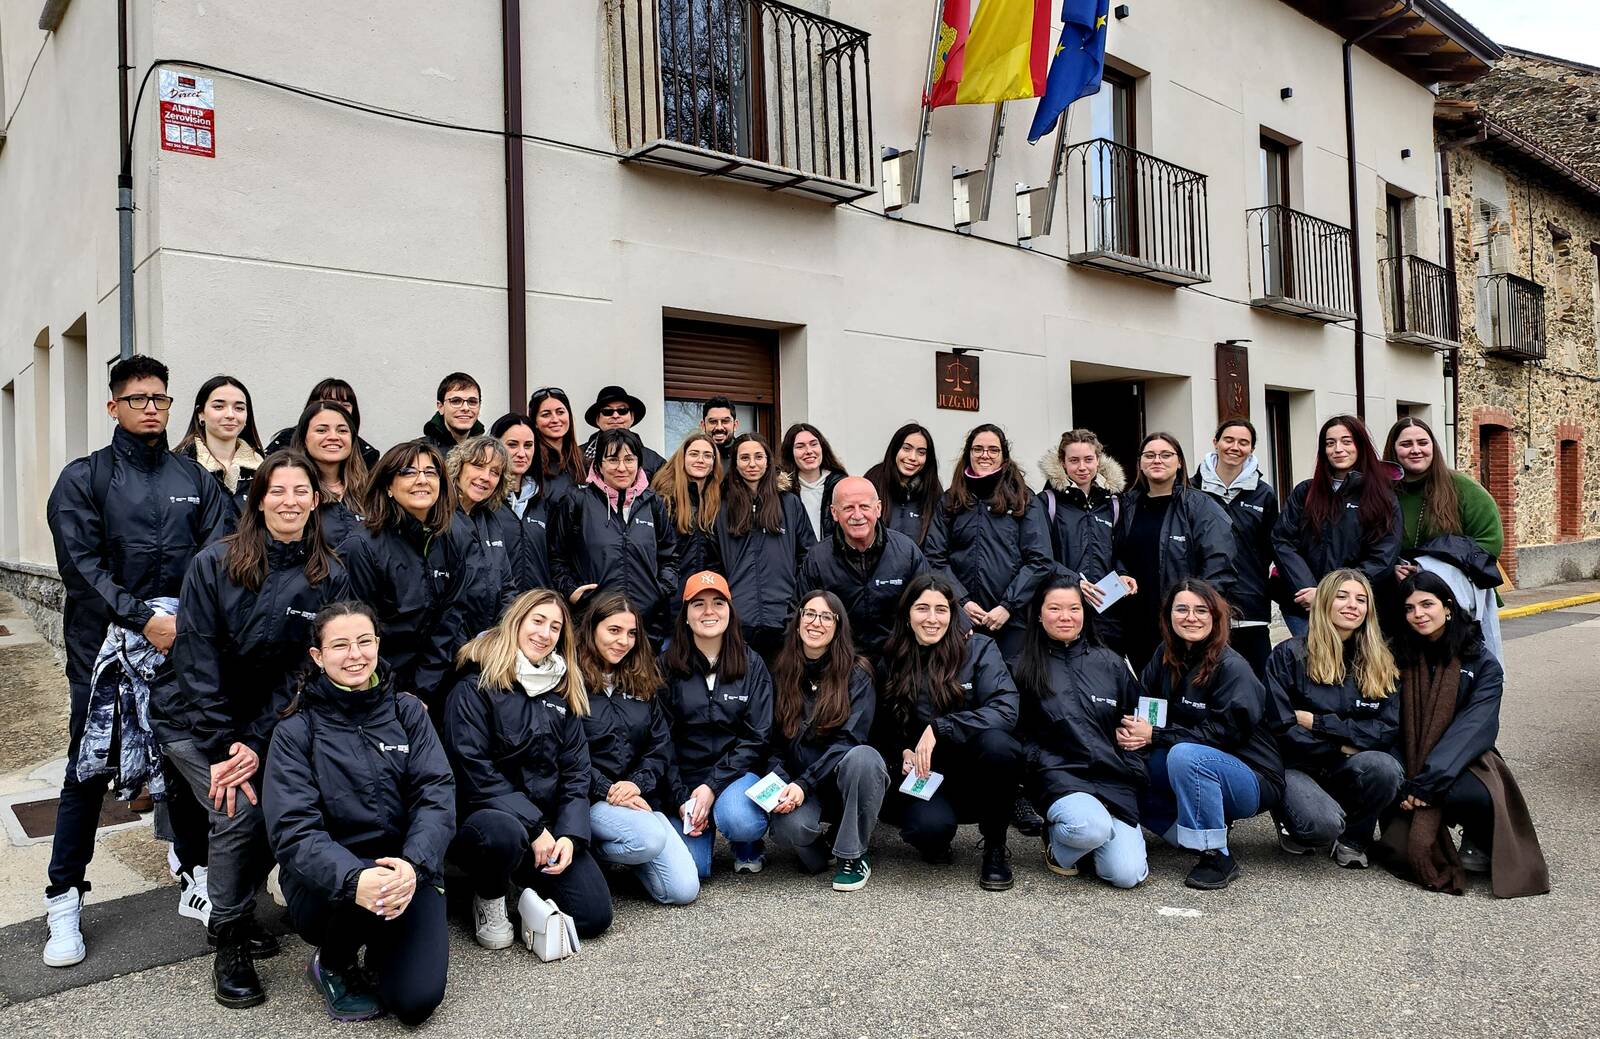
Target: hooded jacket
x,y
1304,556
439,434
1228,713
242,471
1196,540
356,775
721,733
1082,527
999,559
1069,730
988,700
238,653
808,758
520,754
285,439
629,740
126,521
1470,734
1252,508
428,602
592,543
1340,716
763,569
869,582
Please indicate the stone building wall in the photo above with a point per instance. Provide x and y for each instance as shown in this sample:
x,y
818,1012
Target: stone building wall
x,y
1537,405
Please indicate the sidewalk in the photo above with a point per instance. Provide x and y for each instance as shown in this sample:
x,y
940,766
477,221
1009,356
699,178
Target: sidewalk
x,y
1525,602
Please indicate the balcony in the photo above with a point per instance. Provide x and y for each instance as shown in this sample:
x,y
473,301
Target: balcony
x,y
1137,214
1511,316
753,91
1299,264
1419,302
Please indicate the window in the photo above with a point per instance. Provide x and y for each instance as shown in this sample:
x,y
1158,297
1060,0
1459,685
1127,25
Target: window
x,y
708,93
1279,443
1277,264
703,359
75,386
10,485
1569,490
1112,172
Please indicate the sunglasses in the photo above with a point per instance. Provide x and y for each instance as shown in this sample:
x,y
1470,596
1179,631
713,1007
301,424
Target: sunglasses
x,y
616,412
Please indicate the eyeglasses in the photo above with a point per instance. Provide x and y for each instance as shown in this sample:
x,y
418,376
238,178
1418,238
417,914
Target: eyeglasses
x,y
1191,611
1158,456
616,412
142,401
462,402
986,451
819,617
411,472
364,643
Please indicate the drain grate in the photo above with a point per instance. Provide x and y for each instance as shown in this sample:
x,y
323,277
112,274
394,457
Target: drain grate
x,y
38,818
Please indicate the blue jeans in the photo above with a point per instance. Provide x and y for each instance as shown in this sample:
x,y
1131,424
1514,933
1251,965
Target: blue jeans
x,y
1296,624
649,843
739,819
1080,825
1195,791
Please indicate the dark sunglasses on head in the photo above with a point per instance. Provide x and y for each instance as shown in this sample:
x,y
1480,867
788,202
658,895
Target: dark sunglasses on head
x,y
547,391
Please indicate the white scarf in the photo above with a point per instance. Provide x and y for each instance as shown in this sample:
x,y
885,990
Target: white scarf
x,y
542,677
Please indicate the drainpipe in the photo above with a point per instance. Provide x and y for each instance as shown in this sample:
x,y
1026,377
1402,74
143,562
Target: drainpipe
x,y
1447,250
516,233
1355,223
124,191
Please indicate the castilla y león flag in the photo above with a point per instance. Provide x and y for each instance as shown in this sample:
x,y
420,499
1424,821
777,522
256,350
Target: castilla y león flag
x,y
1000,55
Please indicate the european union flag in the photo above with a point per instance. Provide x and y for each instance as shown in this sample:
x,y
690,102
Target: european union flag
x,y
1079,63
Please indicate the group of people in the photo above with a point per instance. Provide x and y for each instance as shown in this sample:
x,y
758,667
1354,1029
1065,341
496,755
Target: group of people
x,y
555,668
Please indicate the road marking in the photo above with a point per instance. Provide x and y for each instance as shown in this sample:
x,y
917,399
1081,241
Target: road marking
x,y
1179,911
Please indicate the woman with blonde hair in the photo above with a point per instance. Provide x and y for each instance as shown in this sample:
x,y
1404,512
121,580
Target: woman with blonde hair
x,y
479,468
514,732
1333,699
690,485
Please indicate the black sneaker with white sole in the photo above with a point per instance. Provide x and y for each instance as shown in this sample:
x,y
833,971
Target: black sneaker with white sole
x,y
1214,871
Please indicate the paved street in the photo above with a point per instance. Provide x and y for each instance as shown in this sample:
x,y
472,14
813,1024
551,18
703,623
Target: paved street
x,y
1296,947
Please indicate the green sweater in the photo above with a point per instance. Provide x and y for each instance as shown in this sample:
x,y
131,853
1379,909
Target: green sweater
x,y
1480,516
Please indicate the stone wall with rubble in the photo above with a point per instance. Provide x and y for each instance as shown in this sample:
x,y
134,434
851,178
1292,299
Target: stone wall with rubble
x,y
1540,403
38,591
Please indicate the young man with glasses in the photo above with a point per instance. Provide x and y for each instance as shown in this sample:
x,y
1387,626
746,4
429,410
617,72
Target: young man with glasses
x,y
126,521
455,412
616,408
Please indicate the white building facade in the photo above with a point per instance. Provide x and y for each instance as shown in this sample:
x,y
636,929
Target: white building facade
x,y
322,240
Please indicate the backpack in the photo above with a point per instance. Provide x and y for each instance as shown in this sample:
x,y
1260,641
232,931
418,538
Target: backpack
x,y
100,468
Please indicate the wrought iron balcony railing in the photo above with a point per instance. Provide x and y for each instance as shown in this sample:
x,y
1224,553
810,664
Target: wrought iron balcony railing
x,y
1419,302
1299,264
748,90
1132,212
1511,310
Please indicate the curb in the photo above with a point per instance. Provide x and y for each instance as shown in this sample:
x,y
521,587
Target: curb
x,y
1544,607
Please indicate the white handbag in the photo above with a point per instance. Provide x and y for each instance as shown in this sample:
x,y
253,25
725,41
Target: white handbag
x,y
548,933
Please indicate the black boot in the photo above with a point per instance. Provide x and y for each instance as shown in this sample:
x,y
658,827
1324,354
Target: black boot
x,y
1025,819
995,874
1214,871
237,984
262,943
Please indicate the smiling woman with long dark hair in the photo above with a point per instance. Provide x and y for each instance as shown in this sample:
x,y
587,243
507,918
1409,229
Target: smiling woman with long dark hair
x,y
222,435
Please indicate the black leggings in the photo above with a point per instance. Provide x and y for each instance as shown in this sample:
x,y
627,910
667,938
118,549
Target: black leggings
x,y
980,785
492,847
1468,805
409,955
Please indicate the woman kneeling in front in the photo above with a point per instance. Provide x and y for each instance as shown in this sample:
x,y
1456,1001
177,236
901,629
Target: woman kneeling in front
x,y
514,731
1337,713
630,753
1214,760
360,808
822,717
1075,694
1451,687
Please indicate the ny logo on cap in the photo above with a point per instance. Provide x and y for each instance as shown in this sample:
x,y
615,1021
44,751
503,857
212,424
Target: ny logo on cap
x,y
708,579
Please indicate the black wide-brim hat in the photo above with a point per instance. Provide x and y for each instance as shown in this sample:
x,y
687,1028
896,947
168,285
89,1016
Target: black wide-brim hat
x,y
608,394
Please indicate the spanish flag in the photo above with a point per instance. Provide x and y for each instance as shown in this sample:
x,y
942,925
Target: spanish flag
x,y
1001,55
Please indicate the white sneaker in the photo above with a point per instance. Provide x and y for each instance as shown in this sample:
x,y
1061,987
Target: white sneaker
x,y
1349,857
173,865
275,887
493,926
193,899
755,865
65,946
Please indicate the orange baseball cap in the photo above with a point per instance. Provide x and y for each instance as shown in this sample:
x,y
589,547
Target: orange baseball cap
x,y
706,581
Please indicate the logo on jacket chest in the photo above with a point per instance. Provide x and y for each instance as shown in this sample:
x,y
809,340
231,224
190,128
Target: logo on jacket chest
x,y
893,582
1252,508
559,708
1368,705
494,544
1181,539
183,500
1104,522
1190,703
290,611
1108,701
441,573
389,748
744,698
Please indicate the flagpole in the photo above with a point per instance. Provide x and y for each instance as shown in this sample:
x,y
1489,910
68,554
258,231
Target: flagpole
x,y
927,88
1063,131
997,128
